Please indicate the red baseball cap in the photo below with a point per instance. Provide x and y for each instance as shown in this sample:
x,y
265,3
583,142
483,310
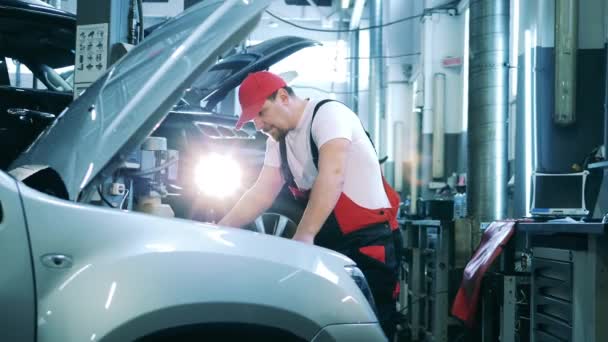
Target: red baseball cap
x,y
254,91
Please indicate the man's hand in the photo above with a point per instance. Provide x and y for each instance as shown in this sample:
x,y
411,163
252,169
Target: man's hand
x,y
304,237
256,200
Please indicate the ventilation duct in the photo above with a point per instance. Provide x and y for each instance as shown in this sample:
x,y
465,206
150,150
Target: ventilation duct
x,y
377,95
488,105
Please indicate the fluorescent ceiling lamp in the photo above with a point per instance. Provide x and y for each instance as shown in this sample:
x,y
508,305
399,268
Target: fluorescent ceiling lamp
x,y
355,20
345,4
528,120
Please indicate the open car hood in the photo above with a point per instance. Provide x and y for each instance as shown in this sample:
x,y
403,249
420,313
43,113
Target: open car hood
x,y
213,86
115,114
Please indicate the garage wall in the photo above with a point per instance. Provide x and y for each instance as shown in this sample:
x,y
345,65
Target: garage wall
x,y
443,36
555,149
561,147
403,50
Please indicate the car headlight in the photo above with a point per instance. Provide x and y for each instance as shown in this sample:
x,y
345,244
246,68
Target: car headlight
x,y
218,175
360,280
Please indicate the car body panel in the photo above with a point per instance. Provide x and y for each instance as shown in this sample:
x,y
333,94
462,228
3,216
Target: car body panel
x,y
129,101
351,333
18,309
133,274
213,86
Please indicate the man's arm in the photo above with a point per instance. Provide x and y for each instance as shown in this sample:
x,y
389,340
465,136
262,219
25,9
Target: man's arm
x,y
256,200
326,189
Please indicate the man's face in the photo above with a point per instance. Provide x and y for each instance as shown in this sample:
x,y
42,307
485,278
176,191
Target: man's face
x,y
273,118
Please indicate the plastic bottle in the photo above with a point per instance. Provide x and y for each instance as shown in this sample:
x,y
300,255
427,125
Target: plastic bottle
x,y
457,205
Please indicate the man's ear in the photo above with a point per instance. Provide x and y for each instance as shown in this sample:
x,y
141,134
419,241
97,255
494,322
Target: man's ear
x,y
283,96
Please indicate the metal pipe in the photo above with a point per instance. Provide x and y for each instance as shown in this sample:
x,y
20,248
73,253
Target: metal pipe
x,y
426,120
376,77
140,10
354,71
17,73
488,107
606,92
416,149
398,145
566,45
131,39
439,95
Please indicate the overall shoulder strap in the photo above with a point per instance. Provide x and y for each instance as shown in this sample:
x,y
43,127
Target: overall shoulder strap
x,y
313,146
285,171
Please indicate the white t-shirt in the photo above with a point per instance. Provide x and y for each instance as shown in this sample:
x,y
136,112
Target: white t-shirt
x,y
363,178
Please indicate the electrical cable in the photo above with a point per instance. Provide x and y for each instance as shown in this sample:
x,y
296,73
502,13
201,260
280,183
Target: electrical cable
x,y
124,198
420,299
345,30
425,12
104,198
156,169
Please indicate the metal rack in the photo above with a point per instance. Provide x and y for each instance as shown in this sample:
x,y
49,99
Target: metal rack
x,y
429,251
569,278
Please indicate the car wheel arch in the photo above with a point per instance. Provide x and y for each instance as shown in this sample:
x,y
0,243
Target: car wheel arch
x,y
221,331
169,324
42,178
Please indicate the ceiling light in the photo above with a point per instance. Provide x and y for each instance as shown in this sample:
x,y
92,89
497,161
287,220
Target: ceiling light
x,y
345,4
357,13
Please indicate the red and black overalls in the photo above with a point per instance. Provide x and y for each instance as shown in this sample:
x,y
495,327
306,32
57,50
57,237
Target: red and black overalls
x,y
368,236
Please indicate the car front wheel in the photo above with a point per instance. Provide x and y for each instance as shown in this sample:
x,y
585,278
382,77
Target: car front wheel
x,y
275,224
280,220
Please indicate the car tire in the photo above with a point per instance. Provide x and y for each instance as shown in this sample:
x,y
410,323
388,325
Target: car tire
x,y
280,220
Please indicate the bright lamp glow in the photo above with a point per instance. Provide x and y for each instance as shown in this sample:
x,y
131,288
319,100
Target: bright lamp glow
x,y
528,121
218,176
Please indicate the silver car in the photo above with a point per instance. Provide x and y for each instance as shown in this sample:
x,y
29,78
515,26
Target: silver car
x,y
77,271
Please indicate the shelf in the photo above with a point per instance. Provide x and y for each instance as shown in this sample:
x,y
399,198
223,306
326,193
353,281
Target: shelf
x,y
552,228
425,223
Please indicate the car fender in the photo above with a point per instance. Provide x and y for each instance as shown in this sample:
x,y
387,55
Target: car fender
x,y
42,178
23,172
135,274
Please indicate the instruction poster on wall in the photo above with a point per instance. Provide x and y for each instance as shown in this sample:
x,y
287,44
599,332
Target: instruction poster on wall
x,y
91,53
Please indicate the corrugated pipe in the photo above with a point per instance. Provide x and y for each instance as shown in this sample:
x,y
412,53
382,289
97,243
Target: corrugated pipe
x,y
377,95
488,105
